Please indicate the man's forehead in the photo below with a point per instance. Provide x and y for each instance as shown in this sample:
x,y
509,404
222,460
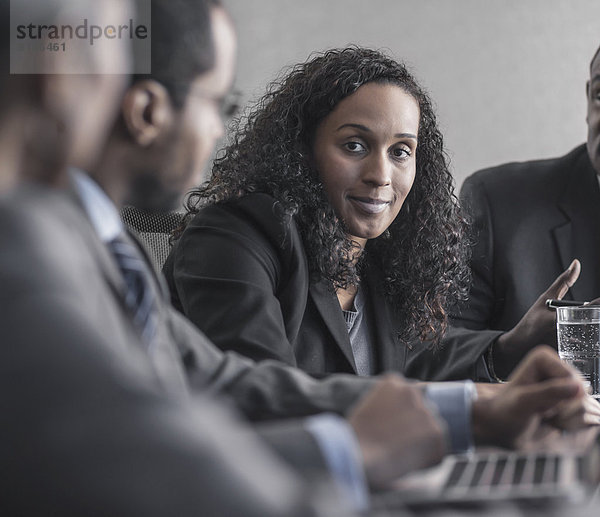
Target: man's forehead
x,y
219,79
595,67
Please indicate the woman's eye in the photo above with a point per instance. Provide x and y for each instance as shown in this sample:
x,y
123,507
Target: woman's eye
x,y
401,152
354,147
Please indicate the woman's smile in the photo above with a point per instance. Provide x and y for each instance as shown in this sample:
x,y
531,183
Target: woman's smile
x,y
370,205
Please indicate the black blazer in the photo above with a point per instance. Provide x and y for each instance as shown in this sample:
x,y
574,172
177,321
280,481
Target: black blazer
x,y
239,272
531,220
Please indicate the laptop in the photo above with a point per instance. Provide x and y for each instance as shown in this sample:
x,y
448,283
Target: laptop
x,y
569,475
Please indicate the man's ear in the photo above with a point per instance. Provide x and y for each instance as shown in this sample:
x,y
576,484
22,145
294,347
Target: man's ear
x,y
587,89
147,111
587,96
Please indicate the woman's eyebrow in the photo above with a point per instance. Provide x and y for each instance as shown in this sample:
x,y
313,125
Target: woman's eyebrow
x,y
367,130
405,135
356,126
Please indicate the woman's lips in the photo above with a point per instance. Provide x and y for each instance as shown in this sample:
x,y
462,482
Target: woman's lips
x,y
369,205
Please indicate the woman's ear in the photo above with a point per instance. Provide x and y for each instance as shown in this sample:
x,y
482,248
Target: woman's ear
x,y
147,111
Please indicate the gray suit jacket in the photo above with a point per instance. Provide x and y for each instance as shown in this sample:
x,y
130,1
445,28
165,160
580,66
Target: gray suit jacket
x,y
531,220
93,427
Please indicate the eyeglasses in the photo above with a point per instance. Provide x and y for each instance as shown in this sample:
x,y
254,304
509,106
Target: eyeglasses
x,y
228,105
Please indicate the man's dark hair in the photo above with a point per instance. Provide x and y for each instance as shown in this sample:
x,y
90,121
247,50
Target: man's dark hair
x,y
181,44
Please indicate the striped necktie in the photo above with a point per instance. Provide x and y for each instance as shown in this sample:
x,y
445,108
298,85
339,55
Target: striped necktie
x,y
139,297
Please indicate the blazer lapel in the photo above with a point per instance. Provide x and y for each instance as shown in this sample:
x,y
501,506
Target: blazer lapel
x,y
101,254
563,237
390,354
578,237
329,308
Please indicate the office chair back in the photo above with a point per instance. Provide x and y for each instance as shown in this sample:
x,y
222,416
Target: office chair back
x,y
153,229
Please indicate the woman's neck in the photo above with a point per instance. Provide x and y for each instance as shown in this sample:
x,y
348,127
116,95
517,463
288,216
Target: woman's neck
x,y
346,297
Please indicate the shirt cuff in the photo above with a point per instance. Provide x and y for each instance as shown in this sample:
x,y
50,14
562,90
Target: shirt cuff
x,y
342,455
489,361
453,401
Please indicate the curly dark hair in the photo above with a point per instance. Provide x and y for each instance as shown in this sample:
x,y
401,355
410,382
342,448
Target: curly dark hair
x,y
423,254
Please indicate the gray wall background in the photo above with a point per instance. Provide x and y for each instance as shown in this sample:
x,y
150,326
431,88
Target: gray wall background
x,y
507,76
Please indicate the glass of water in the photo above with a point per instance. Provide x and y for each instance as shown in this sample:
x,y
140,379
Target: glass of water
x,y
578,331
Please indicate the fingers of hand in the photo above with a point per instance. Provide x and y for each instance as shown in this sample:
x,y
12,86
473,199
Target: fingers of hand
x,y
540,364
592,411
592,405
589,420
564,281
577,414
572,415
545,396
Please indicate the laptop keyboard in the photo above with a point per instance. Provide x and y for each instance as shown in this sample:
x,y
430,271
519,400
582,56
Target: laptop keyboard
x,y
528,479
485,478
505,471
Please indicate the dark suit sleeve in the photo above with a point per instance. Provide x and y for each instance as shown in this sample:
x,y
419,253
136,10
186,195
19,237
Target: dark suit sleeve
x,y
477,312
236,273
460,355
264,390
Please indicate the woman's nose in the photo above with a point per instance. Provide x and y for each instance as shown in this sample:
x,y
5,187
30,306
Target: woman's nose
x,y
377,170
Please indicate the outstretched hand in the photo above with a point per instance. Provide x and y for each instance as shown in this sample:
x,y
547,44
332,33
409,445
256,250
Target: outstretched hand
x,y
396,431
537,326
542,391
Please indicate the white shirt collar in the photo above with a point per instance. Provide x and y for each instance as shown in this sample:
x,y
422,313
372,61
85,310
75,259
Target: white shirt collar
x,y
102,212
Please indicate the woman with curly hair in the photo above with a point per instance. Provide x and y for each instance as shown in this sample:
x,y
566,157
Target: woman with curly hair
x,y
328,235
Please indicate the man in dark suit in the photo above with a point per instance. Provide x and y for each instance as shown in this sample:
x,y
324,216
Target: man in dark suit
x,y
531,220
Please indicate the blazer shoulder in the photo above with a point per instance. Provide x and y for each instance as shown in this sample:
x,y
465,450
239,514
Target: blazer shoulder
x,y
259,217
255,225
502,179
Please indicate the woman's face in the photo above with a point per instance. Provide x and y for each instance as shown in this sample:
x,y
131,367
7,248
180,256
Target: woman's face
x,y
365,154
